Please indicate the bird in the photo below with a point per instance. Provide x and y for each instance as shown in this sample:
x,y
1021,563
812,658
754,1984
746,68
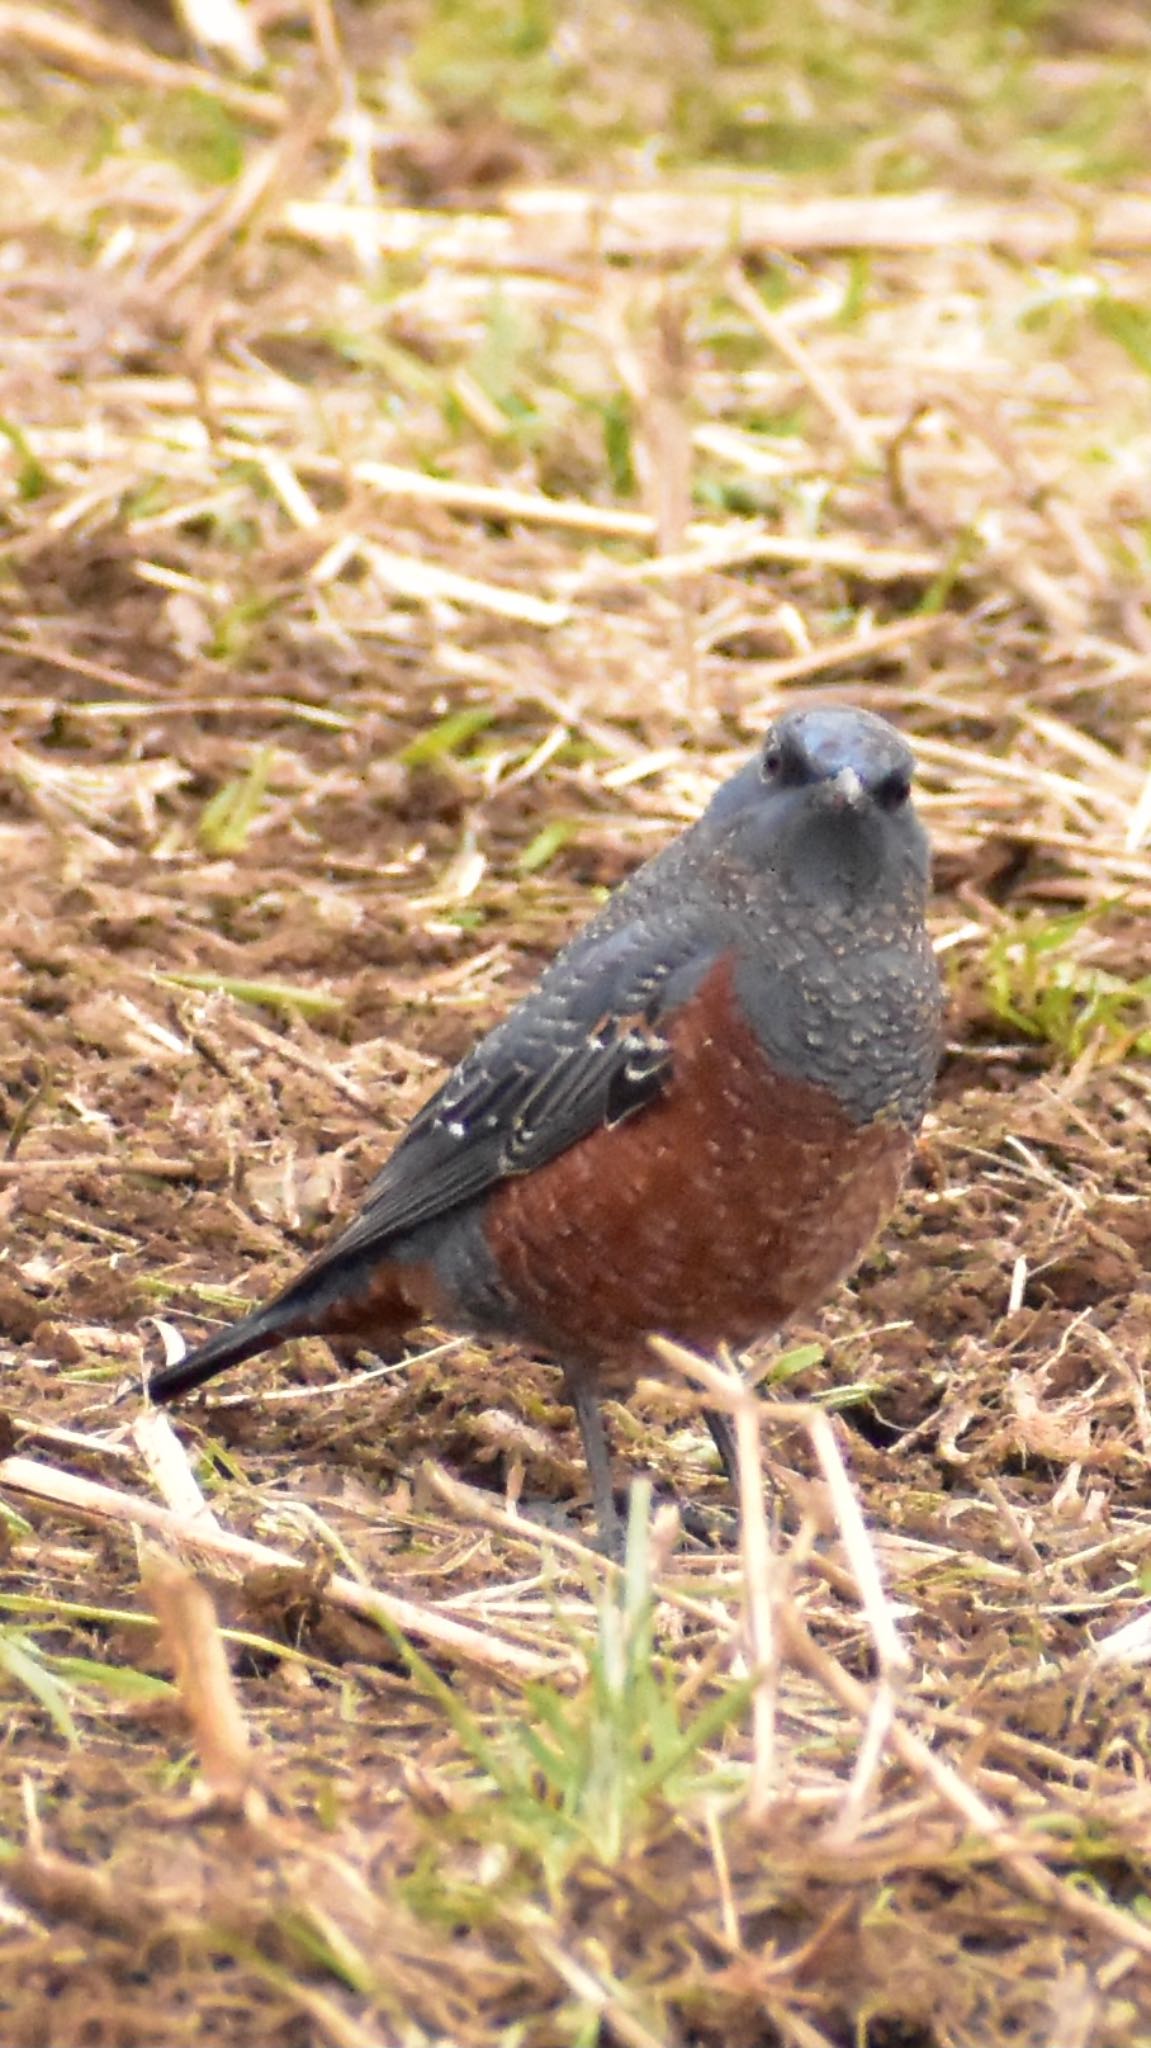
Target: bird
x,y
692,1126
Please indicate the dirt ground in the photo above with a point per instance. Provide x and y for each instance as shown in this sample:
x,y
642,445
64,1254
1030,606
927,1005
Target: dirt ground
x,y
398,544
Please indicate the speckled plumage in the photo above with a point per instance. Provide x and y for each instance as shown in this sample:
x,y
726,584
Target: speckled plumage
x,y
736,1201
698,1119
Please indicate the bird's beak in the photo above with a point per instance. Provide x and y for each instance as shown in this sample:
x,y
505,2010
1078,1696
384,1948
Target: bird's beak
x,y
845,790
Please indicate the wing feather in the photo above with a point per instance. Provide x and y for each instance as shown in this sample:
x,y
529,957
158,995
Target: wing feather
x,y
586,1049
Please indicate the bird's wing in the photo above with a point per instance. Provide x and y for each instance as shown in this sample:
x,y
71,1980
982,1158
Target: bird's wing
x,y
585,1049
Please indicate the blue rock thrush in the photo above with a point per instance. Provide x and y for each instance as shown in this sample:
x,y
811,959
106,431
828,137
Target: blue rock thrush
x,y
693,1125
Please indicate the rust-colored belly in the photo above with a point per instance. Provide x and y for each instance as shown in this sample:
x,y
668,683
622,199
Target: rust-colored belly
x,y
738,1199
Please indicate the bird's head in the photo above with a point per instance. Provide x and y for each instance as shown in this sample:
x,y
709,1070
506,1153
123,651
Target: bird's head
x,y
826,807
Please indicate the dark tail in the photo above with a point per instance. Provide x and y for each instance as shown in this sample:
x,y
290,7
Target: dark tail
x,y
260,1331
341,1294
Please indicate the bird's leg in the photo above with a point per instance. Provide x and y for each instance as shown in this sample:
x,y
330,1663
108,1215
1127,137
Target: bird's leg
x,y
722,1430
589,1415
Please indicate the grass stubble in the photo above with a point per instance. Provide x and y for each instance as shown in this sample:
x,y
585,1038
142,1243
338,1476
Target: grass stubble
x,y
417,495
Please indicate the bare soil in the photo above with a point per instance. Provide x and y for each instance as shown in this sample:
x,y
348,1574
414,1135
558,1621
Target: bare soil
x,y
258,896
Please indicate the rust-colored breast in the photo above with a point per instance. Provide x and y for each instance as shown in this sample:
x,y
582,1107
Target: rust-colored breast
x,y
737,1199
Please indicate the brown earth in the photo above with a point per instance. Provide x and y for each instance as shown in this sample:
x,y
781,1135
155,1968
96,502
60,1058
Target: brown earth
x,y
258,894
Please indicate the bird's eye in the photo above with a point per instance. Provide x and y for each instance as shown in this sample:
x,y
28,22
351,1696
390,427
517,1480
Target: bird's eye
x,y
893,790
771,760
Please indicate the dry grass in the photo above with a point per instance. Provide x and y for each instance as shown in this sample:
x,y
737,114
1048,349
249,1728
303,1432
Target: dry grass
x,y
413,502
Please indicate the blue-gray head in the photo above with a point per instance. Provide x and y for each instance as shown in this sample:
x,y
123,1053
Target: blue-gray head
x,y
826,807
